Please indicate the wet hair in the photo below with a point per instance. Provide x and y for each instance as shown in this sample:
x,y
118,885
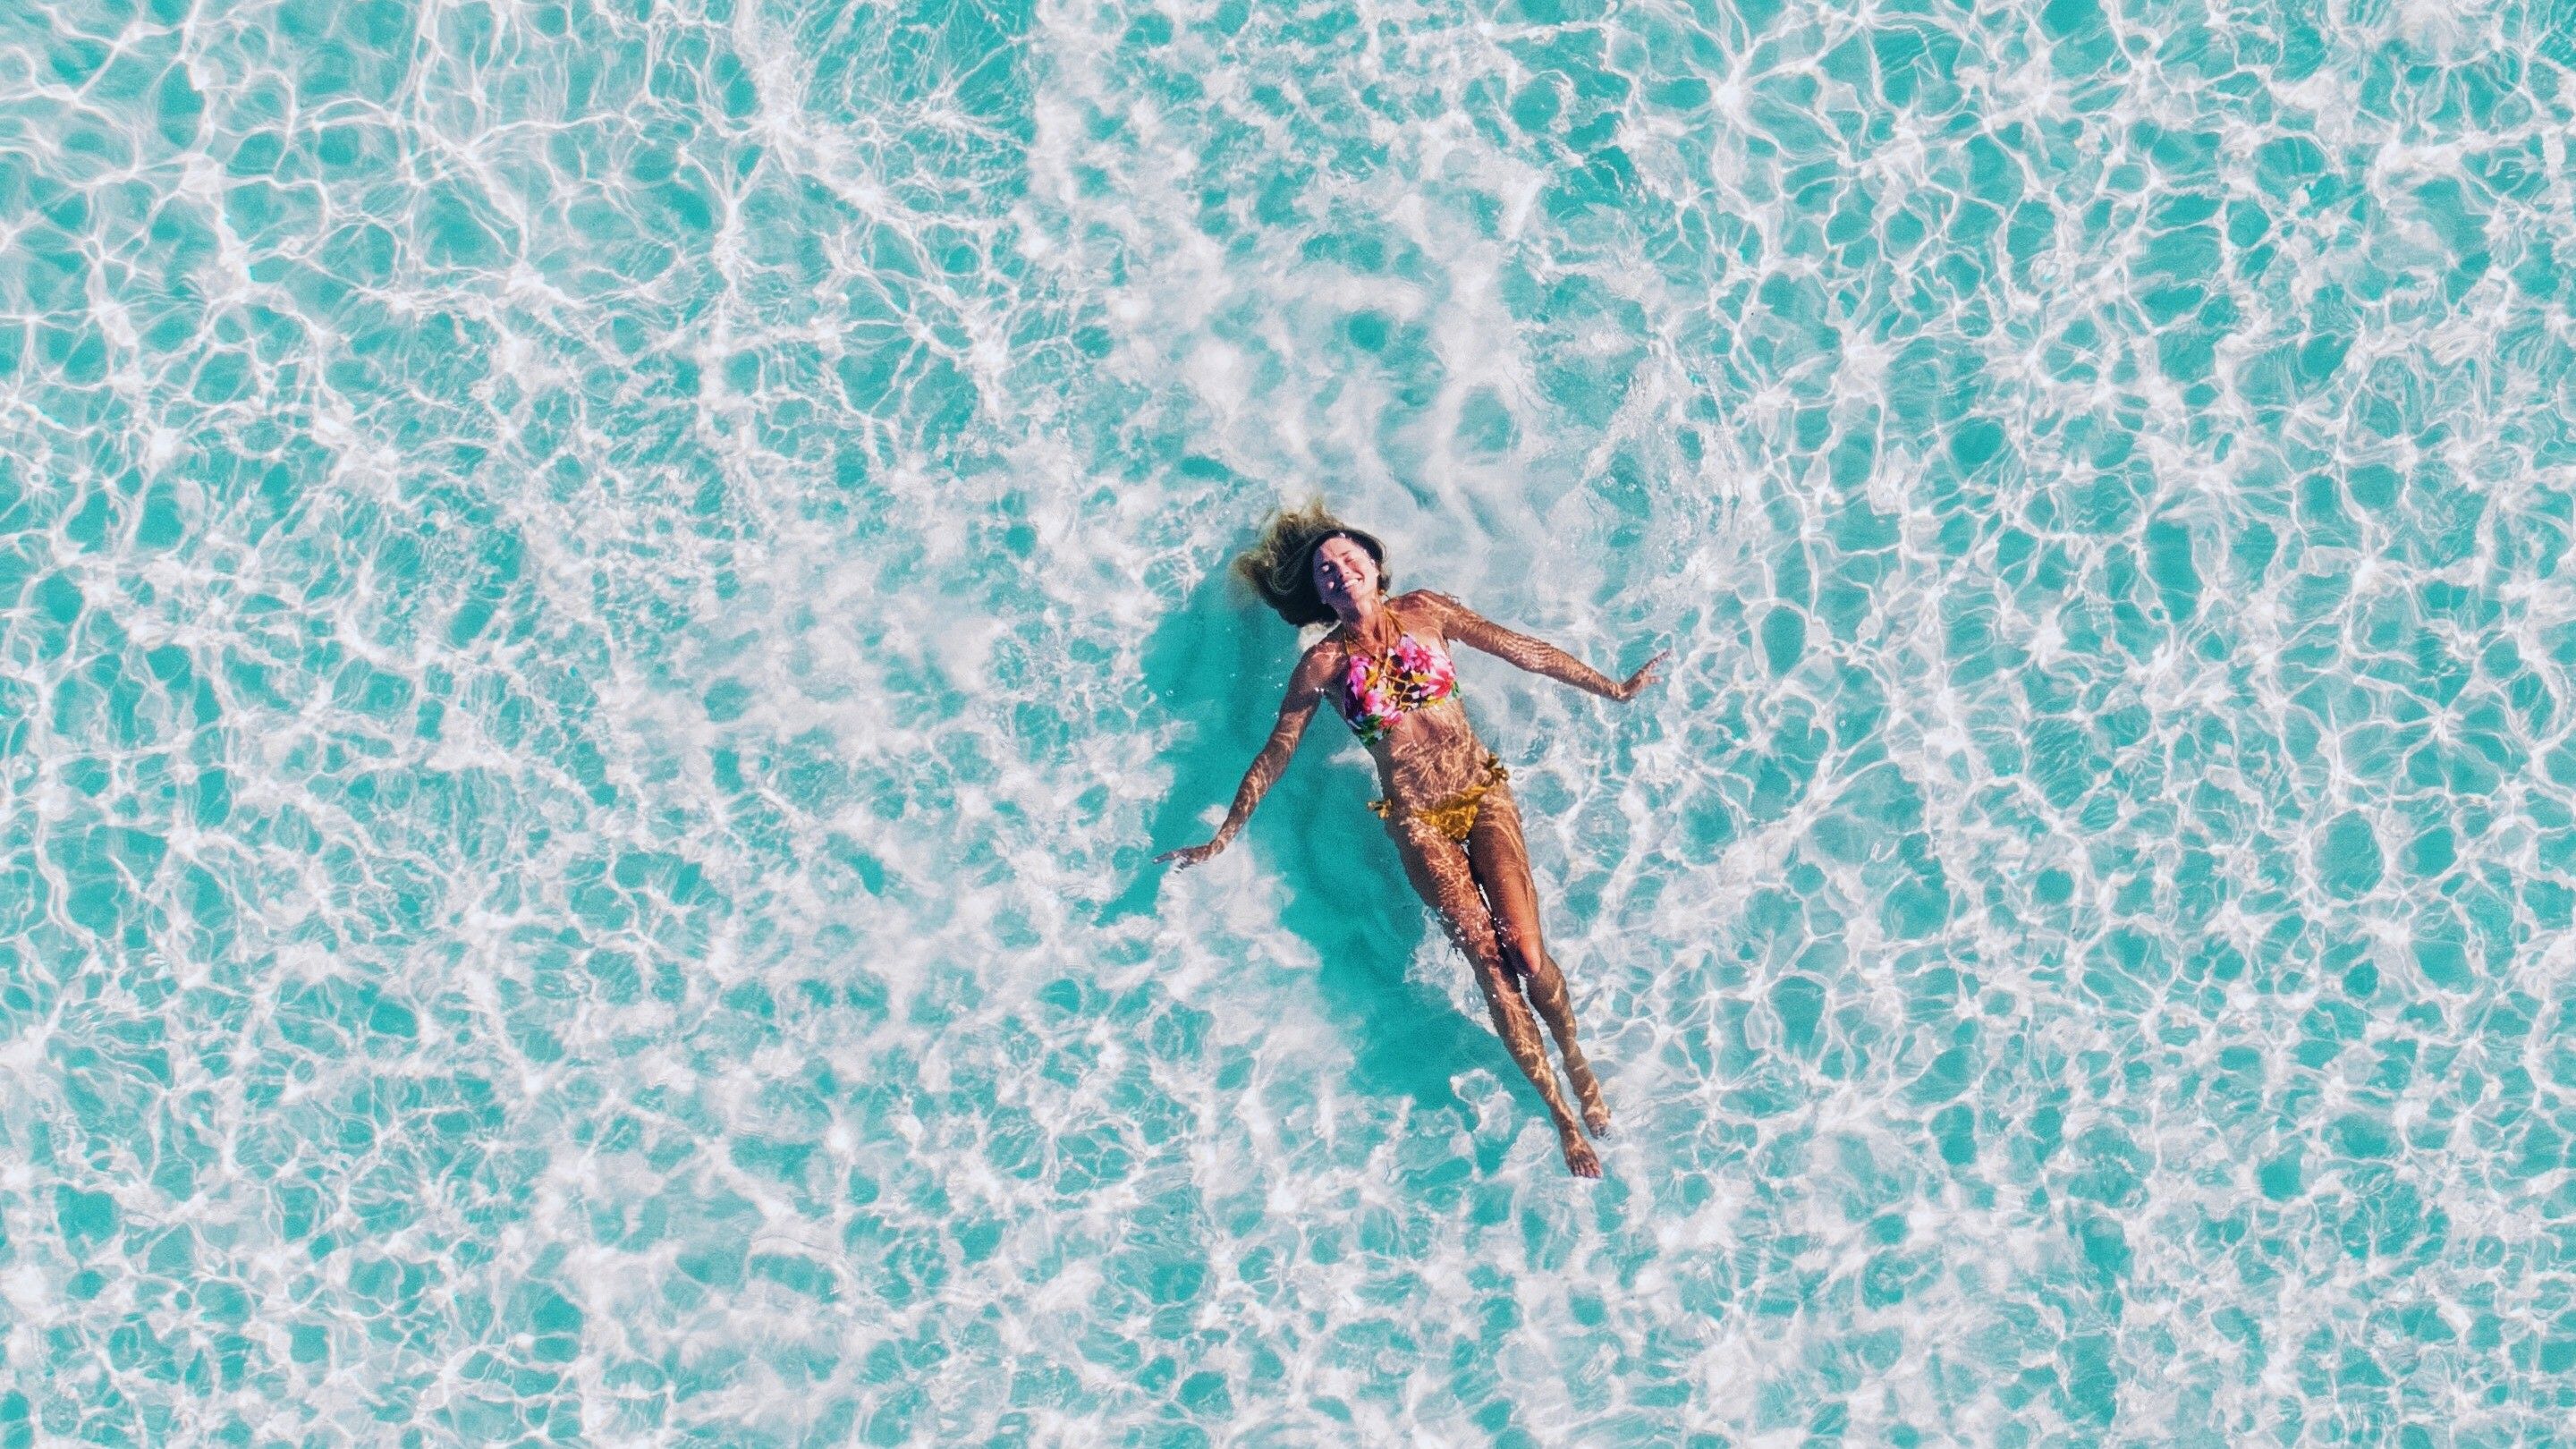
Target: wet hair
x,y
1280,566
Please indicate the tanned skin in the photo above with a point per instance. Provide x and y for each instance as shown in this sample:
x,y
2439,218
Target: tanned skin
x,y
1481,887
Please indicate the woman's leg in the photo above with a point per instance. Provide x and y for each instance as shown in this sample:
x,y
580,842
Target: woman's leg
x,y
1439,870
1500,859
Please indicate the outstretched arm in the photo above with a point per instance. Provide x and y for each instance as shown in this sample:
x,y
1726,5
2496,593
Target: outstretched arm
x,y
1305,691
1537,655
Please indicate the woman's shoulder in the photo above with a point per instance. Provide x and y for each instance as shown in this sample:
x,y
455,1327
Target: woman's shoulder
x,y
1323,654
1427,609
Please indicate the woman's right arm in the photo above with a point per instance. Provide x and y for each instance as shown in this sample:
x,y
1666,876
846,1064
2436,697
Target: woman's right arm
x,y
1305,691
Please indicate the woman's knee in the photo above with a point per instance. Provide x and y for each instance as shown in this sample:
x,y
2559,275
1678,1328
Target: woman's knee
x,y
1482,948
1503,997
1471,930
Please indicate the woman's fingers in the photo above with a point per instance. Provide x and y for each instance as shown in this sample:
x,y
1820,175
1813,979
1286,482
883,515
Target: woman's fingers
x,y
1188,855
1652,671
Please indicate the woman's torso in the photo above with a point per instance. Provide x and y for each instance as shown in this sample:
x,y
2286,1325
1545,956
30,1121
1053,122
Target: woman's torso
x,y
1401,699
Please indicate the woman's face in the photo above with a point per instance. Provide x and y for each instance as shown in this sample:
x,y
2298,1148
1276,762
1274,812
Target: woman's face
x,y
1345,575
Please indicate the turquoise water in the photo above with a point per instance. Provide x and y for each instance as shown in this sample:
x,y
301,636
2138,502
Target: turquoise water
x,y
605,604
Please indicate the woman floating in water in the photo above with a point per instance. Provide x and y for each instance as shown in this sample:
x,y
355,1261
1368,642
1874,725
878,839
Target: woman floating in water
x,y
1385,665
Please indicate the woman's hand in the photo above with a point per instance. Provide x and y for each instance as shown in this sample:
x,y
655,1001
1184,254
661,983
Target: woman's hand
x,y
1190,855
1649,674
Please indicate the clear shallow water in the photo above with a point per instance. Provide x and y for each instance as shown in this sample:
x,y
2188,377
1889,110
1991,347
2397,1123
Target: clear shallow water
x,y
603,609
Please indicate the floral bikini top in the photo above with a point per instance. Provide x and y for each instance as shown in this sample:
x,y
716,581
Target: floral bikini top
x,y
1375,689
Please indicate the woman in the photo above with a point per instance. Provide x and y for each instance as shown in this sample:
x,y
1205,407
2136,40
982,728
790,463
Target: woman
x,y
1385,666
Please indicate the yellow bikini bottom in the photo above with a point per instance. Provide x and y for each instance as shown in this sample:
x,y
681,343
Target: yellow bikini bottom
x,y
1454,817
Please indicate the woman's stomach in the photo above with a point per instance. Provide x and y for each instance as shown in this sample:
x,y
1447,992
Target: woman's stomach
x,y
1428,755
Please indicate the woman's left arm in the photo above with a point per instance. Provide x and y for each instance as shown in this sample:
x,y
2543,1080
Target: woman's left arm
x,y
1537,655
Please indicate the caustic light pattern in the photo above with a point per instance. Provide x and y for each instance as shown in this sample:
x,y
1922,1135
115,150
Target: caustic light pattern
x,y
602,606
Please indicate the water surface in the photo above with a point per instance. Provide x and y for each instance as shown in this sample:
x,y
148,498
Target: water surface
x,y
604,605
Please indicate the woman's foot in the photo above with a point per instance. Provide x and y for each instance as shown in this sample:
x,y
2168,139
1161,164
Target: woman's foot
x,y
1580,1159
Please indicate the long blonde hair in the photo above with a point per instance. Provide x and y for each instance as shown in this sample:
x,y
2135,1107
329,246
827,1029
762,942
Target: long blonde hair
x,y
1280,565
